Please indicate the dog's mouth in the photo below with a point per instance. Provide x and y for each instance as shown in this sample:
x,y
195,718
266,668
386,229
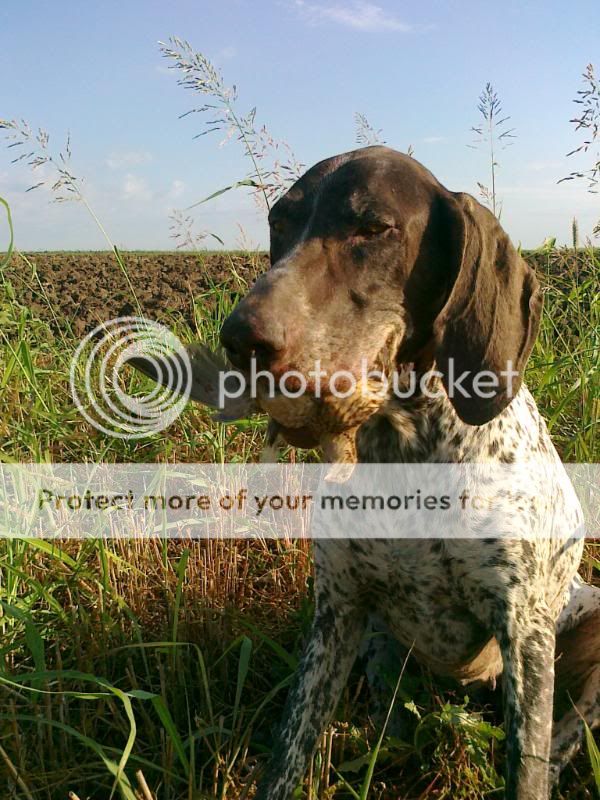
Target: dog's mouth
x,y
305,412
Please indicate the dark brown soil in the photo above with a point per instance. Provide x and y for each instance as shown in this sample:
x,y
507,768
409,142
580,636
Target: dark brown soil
x,y
88,288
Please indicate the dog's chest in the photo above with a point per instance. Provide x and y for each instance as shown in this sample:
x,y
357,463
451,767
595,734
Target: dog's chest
x,y
440,597
412,587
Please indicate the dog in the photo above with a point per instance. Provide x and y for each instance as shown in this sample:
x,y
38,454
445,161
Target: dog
x,y
368,245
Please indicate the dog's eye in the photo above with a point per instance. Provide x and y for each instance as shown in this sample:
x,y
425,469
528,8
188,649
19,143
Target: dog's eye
x,y
370,229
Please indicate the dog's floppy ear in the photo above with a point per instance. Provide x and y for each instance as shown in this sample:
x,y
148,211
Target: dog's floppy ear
x,y
490,319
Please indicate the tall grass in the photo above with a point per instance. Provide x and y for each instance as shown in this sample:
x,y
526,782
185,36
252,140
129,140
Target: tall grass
x,y
564,368
171,659
493,135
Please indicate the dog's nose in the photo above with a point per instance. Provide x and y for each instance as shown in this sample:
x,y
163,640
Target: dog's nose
x,y
245,336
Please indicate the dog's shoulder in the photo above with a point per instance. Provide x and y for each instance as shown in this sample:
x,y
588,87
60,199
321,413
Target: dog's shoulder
x,y
429,429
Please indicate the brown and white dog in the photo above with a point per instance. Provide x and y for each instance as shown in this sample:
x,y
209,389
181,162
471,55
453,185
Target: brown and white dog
x,y
367,248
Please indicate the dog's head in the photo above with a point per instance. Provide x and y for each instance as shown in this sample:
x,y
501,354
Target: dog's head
x,y
369,248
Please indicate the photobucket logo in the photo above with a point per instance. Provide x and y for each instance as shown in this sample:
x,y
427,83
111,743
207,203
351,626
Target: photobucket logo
x,y
97,378
404,383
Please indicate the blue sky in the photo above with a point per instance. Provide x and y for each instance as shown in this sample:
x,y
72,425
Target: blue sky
x,y
414,69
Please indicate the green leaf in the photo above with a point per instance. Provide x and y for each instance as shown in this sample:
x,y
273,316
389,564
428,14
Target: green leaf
x,y
167,720
355,764
412,707
11,232
243,666
594,754
33,638
279,651
236,185
180,570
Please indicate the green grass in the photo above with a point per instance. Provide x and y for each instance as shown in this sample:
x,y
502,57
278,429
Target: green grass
x,y
173,657
563,371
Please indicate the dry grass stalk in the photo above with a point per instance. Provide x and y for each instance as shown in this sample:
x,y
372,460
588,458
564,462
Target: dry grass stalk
x,y
15,774
144,788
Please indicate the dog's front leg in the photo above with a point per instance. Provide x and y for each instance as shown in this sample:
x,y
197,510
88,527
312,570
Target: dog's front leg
x,y
321,676
527,642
